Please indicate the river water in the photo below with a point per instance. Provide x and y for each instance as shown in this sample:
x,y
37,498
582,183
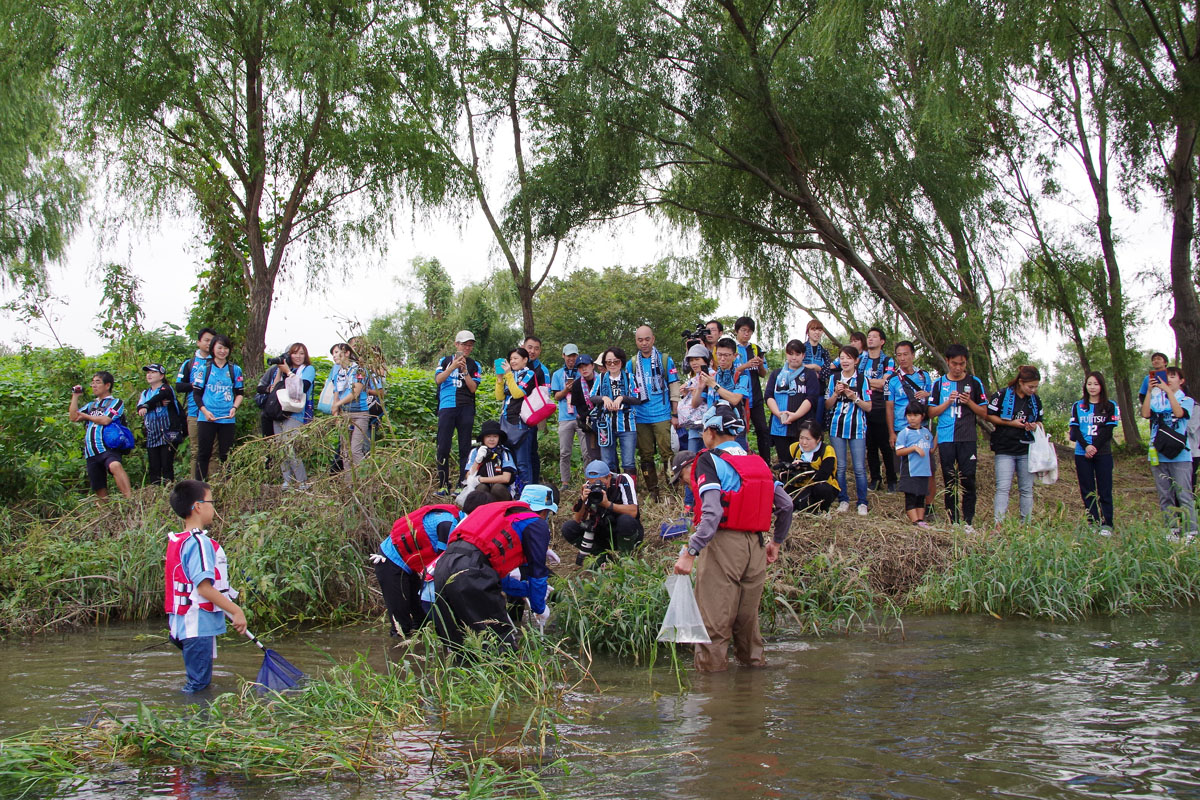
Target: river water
x,y
953,707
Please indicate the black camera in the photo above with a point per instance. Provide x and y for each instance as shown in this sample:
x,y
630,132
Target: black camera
x,y
694,336
275,362
592,502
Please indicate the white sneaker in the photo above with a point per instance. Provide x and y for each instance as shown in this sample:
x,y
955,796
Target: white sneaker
x,y
862,509
1191,537
969,528
1104,531
1173,535
843,508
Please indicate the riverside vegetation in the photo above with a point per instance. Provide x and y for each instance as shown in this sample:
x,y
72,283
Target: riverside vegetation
x,y
92,563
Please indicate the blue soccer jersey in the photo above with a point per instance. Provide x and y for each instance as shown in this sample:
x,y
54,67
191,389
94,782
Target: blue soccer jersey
x,y
957,423
453,392
902,389
847,420
93,432
219,386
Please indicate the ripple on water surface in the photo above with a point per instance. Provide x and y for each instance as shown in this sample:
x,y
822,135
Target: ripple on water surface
x,y
959,707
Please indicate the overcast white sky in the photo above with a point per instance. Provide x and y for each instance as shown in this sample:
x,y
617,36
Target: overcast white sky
x,y
166,253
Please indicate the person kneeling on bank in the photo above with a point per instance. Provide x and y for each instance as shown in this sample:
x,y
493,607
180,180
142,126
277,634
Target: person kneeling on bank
x,y
606,514
737,496
197,597
474,575
416,541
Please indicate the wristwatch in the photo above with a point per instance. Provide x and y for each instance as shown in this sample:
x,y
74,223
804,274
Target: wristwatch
x,y
693,552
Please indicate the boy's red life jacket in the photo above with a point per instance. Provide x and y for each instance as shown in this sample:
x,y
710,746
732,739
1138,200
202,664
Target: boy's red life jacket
x,y
180,594
491,528
412,542
749,508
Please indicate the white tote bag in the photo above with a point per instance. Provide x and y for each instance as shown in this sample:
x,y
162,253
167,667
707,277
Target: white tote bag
x,y
682,623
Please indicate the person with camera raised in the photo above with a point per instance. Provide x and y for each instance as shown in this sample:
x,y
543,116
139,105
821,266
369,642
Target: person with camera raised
x,y
95,415
725,384
606,514
457,378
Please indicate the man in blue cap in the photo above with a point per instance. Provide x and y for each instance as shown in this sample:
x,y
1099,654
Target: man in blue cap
x,y
475,573
736,497
606,514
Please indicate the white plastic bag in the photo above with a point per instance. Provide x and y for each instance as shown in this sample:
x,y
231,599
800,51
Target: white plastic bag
x,y
1043,461
682,622
472,483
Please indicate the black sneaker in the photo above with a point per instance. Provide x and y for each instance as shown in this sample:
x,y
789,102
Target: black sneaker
x,y
876,484
892,487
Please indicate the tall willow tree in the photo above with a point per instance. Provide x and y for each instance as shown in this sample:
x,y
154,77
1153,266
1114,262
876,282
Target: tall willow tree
x,y
820,141
40,195
279,121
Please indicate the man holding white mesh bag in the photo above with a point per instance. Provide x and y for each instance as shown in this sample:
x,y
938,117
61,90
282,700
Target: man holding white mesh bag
x,y
736,497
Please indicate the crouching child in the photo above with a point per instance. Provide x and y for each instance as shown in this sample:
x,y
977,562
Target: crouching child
x,y
197,596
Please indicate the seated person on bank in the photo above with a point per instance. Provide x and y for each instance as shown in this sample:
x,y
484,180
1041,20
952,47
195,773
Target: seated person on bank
x,y
606,514
810,478
493,463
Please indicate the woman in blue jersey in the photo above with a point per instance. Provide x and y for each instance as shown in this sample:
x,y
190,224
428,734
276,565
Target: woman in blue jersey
x,y
350,385
161,416
1093,419
1168,406
297,363
846,409
616,430
218,396
516,381
792,395
1016,412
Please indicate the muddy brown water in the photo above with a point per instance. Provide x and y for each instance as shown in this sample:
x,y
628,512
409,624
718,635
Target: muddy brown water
x,y
957,707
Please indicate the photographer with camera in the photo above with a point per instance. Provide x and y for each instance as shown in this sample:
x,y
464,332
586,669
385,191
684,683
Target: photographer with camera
x,y
606,514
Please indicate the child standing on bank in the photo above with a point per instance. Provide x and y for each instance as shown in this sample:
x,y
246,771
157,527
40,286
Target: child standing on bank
x,y
197,596
913,446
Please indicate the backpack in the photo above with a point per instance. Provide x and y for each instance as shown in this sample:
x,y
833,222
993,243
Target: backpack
x,y
117,436
176,424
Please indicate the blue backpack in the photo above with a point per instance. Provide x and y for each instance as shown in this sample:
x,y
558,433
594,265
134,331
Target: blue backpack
x,y
118,437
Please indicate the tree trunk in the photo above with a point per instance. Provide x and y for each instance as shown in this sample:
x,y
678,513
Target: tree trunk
x,y
262,290
1186,321
525,292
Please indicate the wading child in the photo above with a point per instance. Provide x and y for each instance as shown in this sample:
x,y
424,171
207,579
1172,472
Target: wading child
x,y
913,446
197,594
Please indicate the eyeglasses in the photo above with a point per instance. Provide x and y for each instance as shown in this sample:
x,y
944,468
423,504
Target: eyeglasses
x,y
203,501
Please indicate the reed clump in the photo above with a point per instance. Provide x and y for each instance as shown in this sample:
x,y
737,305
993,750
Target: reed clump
x,y
1064,572
345,722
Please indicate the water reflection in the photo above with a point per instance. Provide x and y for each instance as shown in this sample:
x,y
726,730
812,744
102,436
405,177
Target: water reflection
x,y
958,707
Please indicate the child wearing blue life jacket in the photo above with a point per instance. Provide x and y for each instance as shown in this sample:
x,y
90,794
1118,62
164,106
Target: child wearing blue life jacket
x,y
197,595
914,444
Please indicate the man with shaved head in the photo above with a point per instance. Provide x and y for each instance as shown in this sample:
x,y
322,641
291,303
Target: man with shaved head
x,y
657,385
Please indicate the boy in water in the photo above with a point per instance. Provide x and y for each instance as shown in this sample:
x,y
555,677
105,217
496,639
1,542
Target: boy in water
x,y
197,596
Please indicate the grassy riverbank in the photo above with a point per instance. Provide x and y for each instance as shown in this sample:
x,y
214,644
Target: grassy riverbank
x,y
300,558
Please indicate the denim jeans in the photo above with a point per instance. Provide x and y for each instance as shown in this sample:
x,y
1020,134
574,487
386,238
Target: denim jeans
x,y
1173,482
293,467
627,442
695,442
523,454
198,662
1006,465
858,451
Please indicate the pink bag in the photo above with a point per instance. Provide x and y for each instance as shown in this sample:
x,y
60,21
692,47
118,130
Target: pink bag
x,y
537,406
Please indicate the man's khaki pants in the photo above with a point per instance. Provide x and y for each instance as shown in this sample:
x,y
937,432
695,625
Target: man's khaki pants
x,y
651,435
729,585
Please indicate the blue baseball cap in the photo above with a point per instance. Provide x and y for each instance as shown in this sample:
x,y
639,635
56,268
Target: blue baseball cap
x,y
539,497
584,359
596,469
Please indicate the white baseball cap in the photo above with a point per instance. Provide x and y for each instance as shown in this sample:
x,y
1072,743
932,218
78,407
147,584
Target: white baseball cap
x,y
464,336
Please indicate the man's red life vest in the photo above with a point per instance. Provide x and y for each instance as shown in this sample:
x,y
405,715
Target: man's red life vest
x,y
749,508
412,542
490,528
180,594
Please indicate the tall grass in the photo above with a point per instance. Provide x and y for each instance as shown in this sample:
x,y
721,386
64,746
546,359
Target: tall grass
x,y
1062,572
297,558
341,723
